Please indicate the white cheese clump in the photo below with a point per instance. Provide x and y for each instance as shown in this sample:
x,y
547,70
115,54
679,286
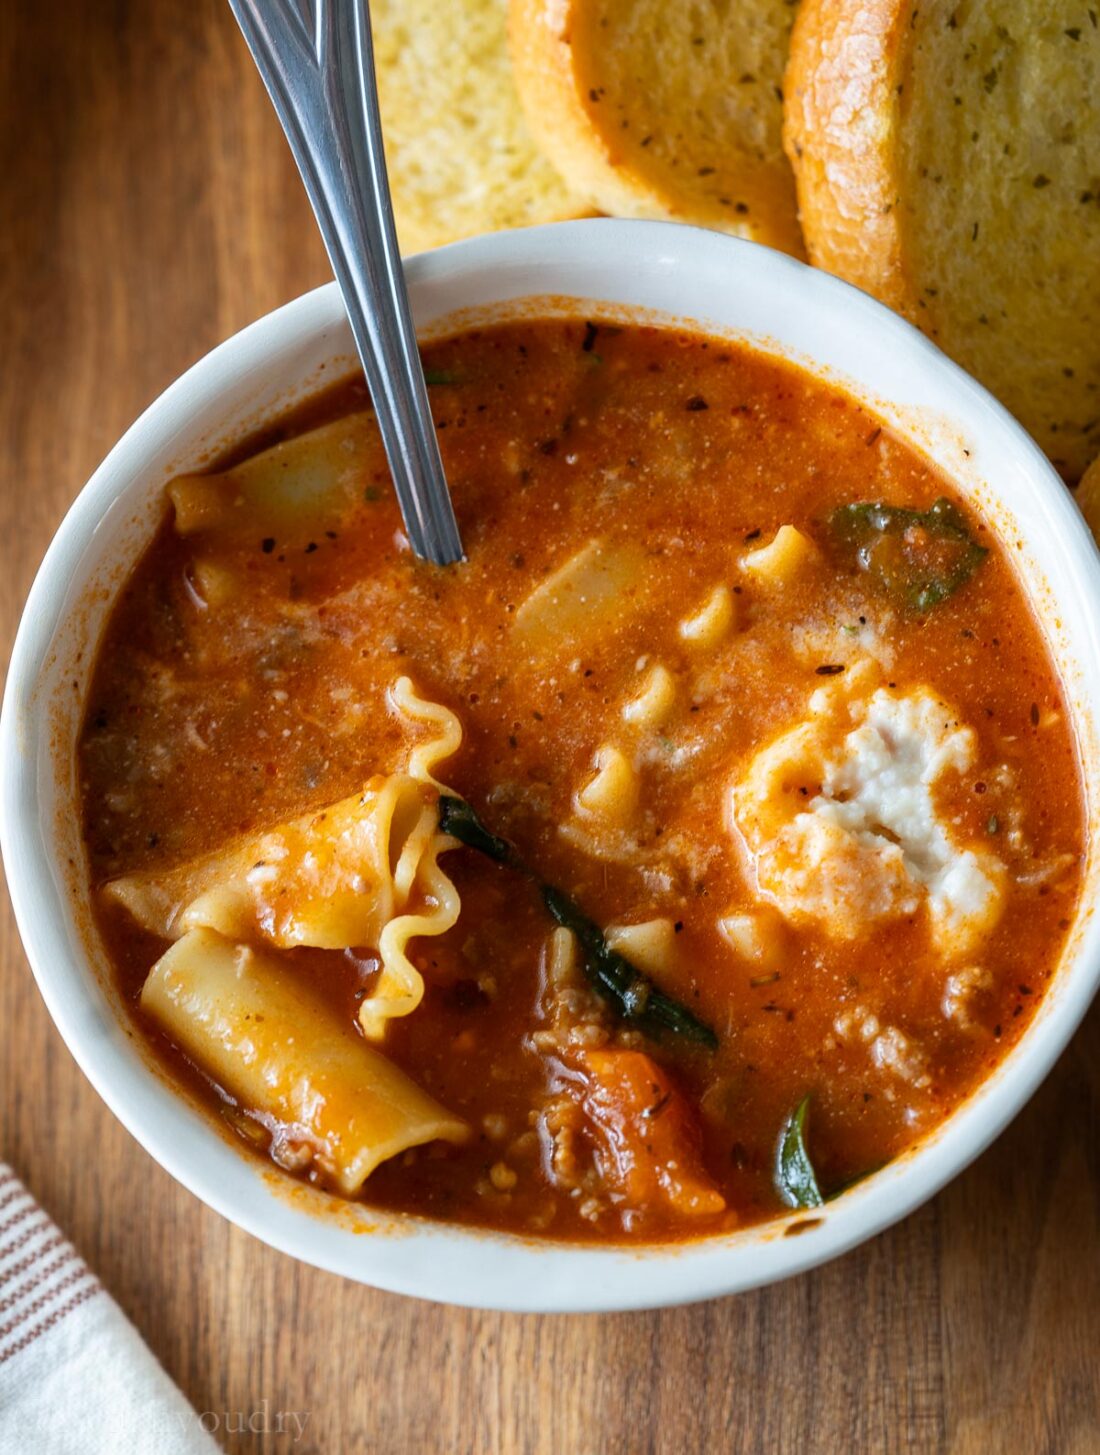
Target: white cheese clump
x,y
961,990
839,819
891,1050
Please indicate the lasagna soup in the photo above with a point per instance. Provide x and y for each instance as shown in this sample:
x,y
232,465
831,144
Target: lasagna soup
x,y
683,856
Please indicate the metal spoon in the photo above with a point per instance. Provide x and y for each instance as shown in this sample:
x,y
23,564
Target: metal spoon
x,y
317,62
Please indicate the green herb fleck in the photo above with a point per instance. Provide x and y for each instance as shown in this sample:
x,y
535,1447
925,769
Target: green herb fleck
x,y
372,493
758,980
440,376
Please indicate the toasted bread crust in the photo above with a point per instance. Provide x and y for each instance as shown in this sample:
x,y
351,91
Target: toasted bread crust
x,y
595,134
945,160
840,73
542,58
1088,497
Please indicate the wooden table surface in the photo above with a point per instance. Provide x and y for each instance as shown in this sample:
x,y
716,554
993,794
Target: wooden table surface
x,y
149,209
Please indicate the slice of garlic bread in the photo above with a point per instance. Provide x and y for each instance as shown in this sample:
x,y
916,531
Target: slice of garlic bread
x,y
664,108
460,157
947,156
1088,497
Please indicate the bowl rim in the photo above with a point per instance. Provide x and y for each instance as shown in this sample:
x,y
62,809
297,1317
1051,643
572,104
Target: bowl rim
x,y
448,1262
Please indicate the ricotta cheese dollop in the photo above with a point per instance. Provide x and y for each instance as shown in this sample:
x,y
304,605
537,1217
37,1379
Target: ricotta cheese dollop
x,y
838,817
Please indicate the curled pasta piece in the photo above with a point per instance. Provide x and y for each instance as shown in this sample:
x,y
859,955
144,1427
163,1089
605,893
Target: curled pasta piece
x,y
612,792
400,987
651,945
784,556
252,1025
424,758
363,872
330,879
712,622
756,936
293,486
602,580
651,707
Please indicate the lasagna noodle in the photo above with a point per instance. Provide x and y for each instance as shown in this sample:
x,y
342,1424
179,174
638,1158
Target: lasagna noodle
x,y
363,872
419,712
576,603
292,486
252,1025
400,987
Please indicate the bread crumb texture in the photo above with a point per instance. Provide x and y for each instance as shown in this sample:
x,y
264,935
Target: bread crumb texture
x,y
461,159
948,161
664,108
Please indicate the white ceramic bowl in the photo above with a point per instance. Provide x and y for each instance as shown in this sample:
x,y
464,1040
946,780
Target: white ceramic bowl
x,y
725,287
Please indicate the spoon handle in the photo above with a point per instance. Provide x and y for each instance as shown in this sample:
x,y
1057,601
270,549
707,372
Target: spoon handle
x,y
322,83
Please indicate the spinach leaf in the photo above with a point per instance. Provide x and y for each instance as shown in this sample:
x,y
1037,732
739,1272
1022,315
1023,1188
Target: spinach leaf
x,y
458,819
919,557
795,1179
633,994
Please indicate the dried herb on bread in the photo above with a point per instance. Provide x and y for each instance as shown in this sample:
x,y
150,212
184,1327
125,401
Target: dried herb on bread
x,y
663,109
946,157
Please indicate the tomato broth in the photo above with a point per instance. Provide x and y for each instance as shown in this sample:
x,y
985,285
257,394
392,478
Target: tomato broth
x,y
736,674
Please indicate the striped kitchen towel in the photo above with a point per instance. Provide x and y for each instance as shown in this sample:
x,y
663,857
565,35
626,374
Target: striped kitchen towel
x,y
75,1376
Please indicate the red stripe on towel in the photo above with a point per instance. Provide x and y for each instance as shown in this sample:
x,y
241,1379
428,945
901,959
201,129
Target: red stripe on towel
x,y
30,1211
37,1278
20,1242
48,1323
45,1299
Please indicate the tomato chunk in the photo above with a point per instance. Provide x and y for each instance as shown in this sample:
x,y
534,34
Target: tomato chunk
x,y
648,1144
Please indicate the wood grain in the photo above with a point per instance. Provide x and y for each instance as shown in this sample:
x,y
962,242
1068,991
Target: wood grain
x,y
149,209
